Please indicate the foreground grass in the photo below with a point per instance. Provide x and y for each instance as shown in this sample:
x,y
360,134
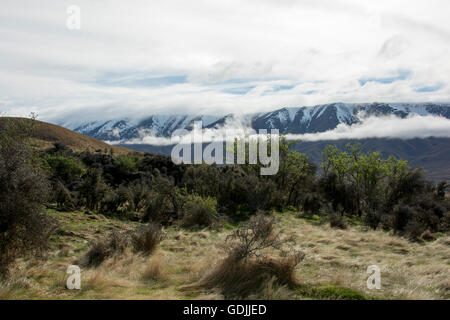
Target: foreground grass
x,y
334,267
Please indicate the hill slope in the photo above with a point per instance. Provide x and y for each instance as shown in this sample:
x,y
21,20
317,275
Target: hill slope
x,y
334,267
432,154
45,135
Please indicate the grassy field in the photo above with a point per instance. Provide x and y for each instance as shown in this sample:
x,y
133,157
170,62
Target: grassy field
x,y
334,267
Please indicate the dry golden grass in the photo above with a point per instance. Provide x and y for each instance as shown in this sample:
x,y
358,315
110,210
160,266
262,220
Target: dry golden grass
x,y
47,134
334,266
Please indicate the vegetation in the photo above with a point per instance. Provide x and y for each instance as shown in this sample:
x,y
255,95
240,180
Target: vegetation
x,y
149,194
24,226
247,268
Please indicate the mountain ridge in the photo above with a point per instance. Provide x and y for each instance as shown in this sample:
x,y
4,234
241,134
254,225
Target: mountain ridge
x,y
298,120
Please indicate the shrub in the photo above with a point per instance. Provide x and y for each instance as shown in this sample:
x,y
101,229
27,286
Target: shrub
x,y
102,249
387,221
414,229
98,252
199,212
166,202
93,189
253,237
311,204
427,236
238,278
337,221
372,218
24,225
140,192
247,269
402,214
63,197
146,238
445,222
117,242
65,168
127,163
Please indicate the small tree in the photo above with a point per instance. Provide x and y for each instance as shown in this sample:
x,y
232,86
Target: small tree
x,y
24,225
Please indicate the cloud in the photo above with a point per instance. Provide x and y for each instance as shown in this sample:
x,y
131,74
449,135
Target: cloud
x,y
210,57
392,127
415,126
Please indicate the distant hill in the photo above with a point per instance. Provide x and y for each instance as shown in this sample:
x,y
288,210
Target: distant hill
x,y
432,154
45,135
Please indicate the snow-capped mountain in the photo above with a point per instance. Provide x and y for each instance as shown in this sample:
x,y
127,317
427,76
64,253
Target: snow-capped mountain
x,y
299,120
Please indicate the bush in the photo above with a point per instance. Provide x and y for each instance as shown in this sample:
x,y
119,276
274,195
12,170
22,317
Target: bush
x,y
253,237
239,278
372,218
100,250
63,197
199,212
166,202
337,221
402,214
65,168
414,230
24,225
247,269
445,222
311,204
146,238
387,221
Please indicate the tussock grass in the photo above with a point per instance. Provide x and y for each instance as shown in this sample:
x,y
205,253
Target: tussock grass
x,y
185,259
238,278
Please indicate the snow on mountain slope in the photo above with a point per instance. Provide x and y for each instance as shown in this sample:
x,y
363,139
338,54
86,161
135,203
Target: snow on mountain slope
x,y
297,120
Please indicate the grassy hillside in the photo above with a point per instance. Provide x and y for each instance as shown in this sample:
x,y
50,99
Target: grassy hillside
x,y
334,266
45,135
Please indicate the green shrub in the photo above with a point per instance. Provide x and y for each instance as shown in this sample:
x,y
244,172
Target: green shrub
x,y
127,163
65,168
199,212
24,188
330,292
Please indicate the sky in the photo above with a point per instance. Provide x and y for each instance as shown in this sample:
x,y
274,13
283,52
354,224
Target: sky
x,y
138,58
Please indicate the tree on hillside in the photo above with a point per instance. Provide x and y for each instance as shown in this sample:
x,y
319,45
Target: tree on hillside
x,y
24,225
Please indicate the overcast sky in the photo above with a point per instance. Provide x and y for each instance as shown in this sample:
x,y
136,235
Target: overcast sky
x,y
136,58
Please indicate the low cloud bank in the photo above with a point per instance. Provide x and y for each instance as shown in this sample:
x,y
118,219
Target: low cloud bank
x,y
384,127
371,127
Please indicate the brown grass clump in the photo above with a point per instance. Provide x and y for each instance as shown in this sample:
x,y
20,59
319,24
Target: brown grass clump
x,y
105,248
427,236
153,270
238,278
247,269
146,238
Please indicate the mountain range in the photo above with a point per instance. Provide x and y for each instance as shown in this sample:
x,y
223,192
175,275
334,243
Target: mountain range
x,y
298,120
431,153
